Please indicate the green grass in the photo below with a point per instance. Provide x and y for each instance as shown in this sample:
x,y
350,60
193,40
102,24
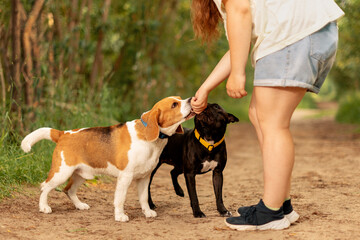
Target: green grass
x,y
61,112
17,167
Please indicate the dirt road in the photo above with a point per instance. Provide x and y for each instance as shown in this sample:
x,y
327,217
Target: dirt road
x,y
326,194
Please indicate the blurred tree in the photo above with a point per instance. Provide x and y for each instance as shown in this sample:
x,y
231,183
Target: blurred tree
x,y
15,59
346,71
141,50
136,52
98,61
29,50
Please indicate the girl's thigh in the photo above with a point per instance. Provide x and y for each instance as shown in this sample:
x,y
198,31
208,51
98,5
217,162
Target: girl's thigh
x,y
275,105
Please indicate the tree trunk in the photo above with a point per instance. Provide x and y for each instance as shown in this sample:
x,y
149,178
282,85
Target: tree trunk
x,y
87,33
98,55
72,23
27,50
59,67
118,62
37,37
3,87
4,41
16,51
16,55
51,55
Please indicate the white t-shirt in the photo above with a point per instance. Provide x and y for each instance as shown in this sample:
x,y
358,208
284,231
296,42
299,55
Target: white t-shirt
x,y
279,23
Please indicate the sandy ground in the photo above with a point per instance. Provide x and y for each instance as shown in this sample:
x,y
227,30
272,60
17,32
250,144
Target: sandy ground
x,y
325,193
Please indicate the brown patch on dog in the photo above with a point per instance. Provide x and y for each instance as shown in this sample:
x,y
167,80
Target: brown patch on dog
x,y
151,131
169,114
55,135
122,142
94,147
55,164
140,129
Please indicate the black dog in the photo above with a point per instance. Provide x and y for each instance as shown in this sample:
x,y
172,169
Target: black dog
x,y
198,151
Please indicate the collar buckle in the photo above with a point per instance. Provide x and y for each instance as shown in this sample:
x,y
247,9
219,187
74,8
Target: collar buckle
x,y
163,135
210,147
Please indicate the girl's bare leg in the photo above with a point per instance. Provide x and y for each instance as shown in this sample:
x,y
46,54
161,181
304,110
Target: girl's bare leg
x,y
274,108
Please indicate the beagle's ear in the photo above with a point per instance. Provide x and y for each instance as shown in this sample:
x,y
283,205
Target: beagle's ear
x,y
180,129
152,128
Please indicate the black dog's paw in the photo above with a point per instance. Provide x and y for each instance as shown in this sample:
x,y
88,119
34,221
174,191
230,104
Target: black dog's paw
x,y
225,214
199,214
179,192
152,206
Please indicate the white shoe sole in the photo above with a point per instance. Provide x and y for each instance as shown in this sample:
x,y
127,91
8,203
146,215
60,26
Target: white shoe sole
x,y
274,225
292,217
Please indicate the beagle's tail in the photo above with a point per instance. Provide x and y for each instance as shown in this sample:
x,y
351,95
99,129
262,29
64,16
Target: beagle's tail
x,y
39,134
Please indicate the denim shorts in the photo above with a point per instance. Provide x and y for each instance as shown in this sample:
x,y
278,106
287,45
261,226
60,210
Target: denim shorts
x,y
303,64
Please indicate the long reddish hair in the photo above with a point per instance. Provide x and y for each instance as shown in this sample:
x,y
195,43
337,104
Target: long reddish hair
x,y
205,19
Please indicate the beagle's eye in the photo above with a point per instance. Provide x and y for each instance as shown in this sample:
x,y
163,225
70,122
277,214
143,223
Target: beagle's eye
x,y
174,105
216,107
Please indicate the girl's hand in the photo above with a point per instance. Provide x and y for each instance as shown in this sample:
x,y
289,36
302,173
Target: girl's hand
x,y
199,101
235,86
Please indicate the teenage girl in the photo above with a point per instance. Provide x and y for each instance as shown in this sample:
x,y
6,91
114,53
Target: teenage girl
x,y
293,49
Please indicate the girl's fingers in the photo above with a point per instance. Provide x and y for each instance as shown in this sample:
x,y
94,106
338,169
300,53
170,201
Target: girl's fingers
x,y
237,93
193,100
198,108
243,92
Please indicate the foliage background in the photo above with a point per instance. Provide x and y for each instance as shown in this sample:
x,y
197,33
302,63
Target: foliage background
x,y
87,63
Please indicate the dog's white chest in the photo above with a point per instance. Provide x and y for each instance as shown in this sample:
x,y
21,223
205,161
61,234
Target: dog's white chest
x,y
145,161
143,156
209,165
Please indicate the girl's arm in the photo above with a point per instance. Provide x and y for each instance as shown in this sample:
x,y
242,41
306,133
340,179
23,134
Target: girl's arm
x,y
231,65
239,24
217,76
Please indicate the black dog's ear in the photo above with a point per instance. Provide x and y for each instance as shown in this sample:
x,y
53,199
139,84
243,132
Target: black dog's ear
x,y
232,118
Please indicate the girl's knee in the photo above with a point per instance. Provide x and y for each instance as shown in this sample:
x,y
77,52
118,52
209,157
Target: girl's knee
x,y
271,121
274,125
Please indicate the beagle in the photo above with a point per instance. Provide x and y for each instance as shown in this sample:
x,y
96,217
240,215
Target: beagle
x,y
128,151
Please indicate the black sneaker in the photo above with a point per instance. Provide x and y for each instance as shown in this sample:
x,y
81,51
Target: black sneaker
x,y
259,217
289,213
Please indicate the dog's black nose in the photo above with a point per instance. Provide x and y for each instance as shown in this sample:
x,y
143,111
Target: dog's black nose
x,y
189,100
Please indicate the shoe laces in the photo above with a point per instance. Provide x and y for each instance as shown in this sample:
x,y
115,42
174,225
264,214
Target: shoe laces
x,y
250,215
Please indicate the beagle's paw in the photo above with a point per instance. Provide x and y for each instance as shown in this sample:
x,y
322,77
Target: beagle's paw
x,y
82,206
122,217
45,209
150,213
